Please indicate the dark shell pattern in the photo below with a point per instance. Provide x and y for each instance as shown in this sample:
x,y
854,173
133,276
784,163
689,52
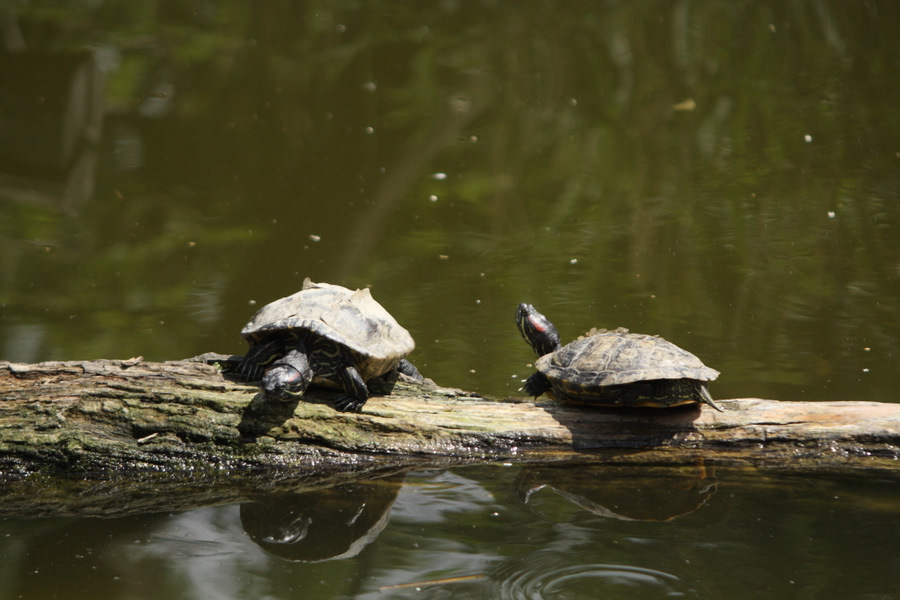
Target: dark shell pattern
x,y
612,358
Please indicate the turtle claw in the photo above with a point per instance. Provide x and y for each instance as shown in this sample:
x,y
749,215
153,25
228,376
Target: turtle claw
x,y
348,403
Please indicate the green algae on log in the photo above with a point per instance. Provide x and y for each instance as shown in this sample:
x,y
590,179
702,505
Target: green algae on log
x,y
119,416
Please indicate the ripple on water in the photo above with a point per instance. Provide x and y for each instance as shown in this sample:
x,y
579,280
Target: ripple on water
x,y
537,580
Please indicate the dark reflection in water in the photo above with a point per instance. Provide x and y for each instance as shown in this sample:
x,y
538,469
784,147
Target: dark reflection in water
x,y
332,523
468,533
643,494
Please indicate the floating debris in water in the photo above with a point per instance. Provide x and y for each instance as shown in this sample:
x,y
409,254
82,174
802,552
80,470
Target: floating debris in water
x,y
420,584
807,138
439,176
314,238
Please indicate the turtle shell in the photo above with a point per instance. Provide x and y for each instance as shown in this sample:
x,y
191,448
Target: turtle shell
x,y
592,366
352,319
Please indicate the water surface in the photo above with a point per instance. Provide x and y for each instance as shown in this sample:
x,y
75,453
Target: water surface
x,y
722,174
491,531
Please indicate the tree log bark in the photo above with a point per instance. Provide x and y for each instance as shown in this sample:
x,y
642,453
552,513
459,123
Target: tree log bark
x,y
119,437
122,416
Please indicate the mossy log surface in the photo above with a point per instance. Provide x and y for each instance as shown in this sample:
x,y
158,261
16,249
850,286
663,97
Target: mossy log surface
x,y
123,437
121,416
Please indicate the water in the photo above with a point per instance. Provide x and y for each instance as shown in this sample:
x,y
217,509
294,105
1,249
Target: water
x,y
724,175
487,531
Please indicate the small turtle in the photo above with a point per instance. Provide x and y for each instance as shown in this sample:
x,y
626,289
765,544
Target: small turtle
x,y
327,335
612,368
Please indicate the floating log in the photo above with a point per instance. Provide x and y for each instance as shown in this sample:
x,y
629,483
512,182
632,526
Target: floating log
x,y
112,417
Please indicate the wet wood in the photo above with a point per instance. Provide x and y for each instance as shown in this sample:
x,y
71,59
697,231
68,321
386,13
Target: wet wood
x,y
131,416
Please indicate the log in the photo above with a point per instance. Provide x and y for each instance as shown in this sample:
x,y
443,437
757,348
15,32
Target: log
x,y
114,416
119,437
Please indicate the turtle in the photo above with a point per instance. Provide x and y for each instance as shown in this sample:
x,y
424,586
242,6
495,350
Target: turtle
x,y
327,335
612,368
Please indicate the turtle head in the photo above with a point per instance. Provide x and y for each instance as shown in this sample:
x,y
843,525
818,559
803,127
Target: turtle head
x,y
537,330
288,377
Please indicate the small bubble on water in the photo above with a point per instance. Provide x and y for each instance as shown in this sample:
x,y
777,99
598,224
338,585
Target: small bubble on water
x,y
315,238
439,176
831,214
433,198
807,138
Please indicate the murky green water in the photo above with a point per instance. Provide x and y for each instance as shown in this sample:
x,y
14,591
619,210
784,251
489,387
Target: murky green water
x,y
722,174
487,532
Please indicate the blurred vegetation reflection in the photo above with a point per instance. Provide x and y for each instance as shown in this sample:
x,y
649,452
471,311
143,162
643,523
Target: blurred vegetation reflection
x,y
723,174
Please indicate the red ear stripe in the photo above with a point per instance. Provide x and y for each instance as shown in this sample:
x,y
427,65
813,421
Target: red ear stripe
x,y
537,325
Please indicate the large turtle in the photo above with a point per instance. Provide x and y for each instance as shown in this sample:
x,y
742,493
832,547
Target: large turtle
x,y
327,335
612,368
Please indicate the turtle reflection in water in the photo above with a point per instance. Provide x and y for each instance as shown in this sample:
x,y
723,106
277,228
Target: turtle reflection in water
x,y
612,368
325,524
327,335
627,493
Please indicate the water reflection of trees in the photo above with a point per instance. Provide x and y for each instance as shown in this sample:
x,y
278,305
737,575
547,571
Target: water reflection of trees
x,y
577,173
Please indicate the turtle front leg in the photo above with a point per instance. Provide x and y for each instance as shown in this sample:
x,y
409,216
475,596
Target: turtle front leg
x,y
356,391
536,385
258,358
